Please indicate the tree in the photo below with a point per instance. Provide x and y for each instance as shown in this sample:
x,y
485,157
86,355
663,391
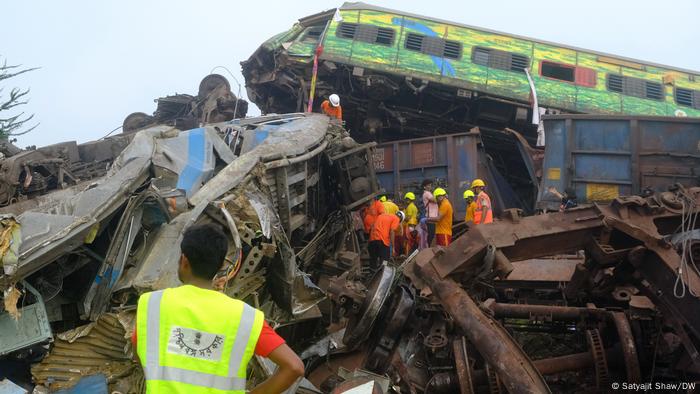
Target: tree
x,y
11,122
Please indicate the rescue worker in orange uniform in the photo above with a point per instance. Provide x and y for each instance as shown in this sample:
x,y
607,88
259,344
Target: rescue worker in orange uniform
x,y
332,108
443,227
483,213
381,237
391,208
374,209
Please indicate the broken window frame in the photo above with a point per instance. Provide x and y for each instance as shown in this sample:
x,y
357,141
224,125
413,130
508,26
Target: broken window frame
x,y
581,76
500,60
310,33
554,66
367,33
433,46
634,87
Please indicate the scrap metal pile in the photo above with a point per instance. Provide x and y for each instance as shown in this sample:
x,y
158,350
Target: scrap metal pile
x,y
503,309
84,254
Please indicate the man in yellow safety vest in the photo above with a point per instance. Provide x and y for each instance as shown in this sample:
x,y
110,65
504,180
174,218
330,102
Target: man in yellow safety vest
x,y
192,339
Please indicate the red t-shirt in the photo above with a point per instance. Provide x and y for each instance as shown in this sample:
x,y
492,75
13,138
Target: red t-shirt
x,y
268,341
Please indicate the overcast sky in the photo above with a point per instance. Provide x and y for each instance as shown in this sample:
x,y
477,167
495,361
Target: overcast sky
x,y
102,60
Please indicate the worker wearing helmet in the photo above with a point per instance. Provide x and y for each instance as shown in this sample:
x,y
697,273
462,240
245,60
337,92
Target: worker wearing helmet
x,y
483,212
443,227
381,237
410,232
374,209
471,205
390,206
332,108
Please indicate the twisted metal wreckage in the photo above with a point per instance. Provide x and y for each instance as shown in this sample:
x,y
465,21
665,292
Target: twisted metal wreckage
x,y
85,253
566,301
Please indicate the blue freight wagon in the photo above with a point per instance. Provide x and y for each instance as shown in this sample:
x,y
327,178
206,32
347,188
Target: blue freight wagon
x,y
602,157
451,161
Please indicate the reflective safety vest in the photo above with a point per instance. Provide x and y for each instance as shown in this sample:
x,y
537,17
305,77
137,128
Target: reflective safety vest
x,y
483,213
193,340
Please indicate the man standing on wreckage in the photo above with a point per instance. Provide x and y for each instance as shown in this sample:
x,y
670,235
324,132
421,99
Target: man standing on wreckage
x,y
193,339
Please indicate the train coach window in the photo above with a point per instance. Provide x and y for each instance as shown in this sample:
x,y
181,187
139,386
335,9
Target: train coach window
x,y
615,83
385,36
434,46
313,33
582,76
687,97
557,71
366,33
635,87
501,60
346,30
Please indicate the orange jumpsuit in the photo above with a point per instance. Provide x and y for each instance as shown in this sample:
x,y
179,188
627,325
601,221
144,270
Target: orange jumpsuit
x,y
330,110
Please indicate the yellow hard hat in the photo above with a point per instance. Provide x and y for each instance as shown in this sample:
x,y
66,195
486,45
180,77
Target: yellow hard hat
x,y
478,182
410,196
382,198
468,193
439,192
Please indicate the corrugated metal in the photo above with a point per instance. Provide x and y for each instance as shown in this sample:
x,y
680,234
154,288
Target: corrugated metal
x,y
103,349
601,157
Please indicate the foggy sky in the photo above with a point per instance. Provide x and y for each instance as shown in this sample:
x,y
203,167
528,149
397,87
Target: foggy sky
x,y
102,60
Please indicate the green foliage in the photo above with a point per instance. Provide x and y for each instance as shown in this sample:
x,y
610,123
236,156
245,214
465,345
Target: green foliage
x,y
13,123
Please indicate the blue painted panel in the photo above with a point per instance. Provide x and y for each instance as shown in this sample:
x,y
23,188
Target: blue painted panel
x,y
194,168
601,167
554,167
94,384
669,152
661,137
611,136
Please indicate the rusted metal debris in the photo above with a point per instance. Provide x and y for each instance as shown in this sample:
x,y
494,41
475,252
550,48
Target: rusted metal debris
x,y
270,182
213,103
472,328
97,347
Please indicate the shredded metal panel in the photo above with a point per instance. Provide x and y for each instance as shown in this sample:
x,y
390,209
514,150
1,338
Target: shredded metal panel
x,y
99,347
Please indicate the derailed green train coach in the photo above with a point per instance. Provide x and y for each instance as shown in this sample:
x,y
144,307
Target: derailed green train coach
x,y
416,75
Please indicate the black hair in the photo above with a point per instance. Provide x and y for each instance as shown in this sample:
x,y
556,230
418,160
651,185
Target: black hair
x,y
426,182
570,192
205,247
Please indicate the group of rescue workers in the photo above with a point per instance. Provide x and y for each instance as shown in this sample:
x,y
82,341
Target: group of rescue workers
x,y
395,231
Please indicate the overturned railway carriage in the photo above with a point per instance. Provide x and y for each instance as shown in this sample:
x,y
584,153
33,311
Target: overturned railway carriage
x,y
413,75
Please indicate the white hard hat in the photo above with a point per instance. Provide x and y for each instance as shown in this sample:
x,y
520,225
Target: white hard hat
x,y
334,99
401,215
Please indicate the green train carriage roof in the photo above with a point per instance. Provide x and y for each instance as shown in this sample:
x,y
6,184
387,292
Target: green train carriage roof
x,y
358,6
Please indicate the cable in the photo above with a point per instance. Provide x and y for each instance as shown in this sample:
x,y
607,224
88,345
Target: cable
x,y
108,134
689,218
238,96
